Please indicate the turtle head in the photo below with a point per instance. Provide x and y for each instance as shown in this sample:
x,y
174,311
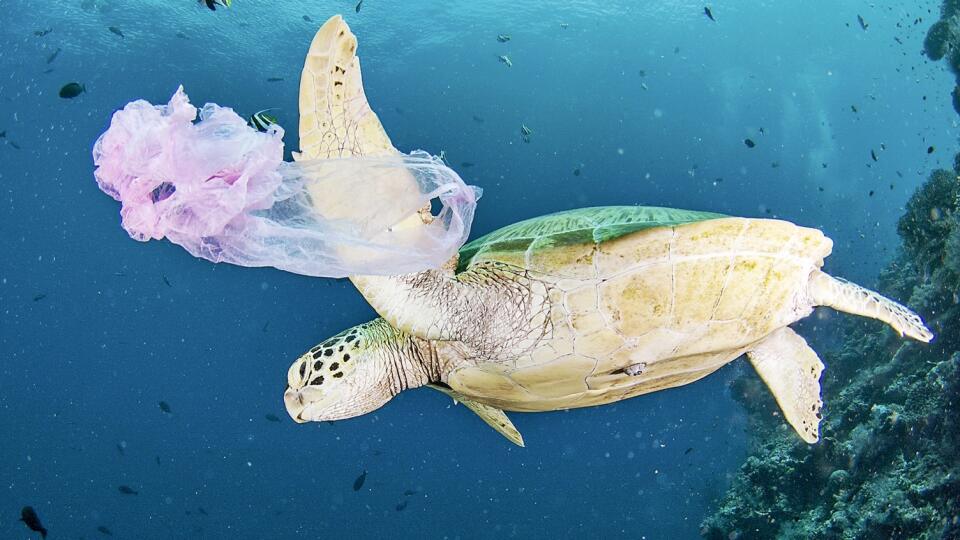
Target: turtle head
x,y
345,376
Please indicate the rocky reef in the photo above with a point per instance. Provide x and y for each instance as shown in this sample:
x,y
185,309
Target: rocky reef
x,y
888,464
943,41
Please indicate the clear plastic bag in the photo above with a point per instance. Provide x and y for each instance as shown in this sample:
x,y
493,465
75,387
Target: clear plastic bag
x,y
221,190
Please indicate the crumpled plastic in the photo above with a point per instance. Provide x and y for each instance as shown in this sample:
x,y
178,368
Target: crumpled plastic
x,y
221,190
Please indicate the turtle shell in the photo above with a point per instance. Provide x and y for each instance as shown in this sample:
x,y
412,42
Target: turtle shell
x,y
583,226
640,299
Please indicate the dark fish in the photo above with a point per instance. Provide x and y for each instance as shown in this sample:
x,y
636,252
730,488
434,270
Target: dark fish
x,y
105,530
576,172
115,30
930,149
202,511
39,297
853,108
873,154
307,18
895,38
688,450
127,490
272,417
167,281
54,56
274,79
165,407
41,33
358,483
466,164
643,73
30,518
212,4
762,132
863,23
477,119
871,193
3,134
775,165
158,460
401,506
72,90
709,13
360,3
261,121
749,143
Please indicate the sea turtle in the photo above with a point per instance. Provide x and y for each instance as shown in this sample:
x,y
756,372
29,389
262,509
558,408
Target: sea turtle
x,y
573,309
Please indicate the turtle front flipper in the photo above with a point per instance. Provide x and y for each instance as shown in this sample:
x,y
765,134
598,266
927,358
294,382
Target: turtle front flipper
x,y
494,417
791,370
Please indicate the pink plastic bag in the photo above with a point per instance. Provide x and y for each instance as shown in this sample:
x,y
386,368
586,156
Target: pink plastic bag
x,y
221,190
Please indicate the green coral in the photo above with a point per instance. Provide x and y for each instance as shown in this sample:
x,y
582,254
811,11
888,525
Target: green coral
x,y
888,465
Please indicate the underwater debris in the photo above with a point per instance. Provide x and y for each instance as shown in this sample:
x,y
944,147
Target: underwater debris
x,y
358,483
72,90
30,518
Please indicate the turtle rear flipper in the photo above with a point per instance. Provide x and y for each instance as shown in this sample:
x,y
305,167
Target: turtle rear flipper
x,y
493,416
791,370
842,295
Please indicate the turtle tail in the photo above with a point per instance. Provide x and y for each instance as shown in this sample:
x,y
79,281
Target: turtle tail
x,y
842,295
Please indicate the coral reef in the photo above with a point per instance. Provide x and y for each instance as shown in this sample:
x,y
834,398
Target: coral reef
x,y
943,40
888,465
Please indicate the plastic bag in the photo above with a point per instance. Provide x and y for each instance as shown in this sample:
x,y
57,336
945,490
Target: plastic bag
x,y
221,190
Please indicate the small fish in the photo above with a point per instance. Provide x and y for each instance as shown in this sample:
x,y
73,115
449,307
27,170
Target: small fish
x,y
272,417
503,38
873,155
274,79
930,149
13,144
895,38
443,156
157,458
3,134
48,70
506,60
167,281
399,110
688,450
360,3
762,132
41,33
39,297
202,511
30,518
824,165
265,326
104,530
477,119
642,73
870,194
525,132
775,165
466,164
709,13
410,492
401,506
212,4
122,447
165,407
54,55
261,121
307,18
358,483
749,143
127,490
576,172
181,35
863,23
564,26
676,50
72,90
115,30
883,146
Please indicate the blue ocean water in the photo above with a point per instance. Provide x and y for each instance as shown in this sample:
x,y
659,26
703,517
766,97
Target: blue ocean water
x,y
650,103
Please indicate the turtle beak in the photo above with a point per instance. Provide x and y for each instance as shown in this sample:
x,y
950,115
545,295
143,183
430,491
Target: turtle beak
x,y
293,400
